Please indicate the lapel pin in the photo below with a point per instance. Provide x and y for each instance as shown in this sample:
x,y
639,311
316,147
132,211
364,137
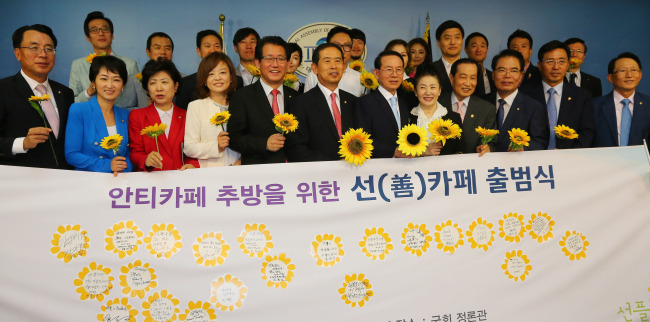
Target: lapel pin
x,y
640,103
345,102
471,115
122,121
569,98
517,109
530,75
59,92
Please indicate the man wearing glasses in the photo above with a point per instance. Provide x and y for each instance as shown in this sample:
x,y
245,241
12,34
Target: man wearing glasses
x,y
99,32
245,41
623,116
350,82
514,109
566,104
575,75
252,108
31,137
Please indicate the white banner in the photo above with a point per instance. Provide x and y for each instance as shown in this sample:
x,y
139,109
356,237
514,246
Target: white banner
x,y
536,236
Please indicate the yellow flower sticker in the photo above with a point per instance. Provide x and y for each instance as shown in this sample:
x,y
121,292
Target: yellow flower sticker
x,y
277,270
137,279
255,240
94,282
228,293
160,307
540,227
574,245
69,242
356,290
163,241
416,239
376,243
448,236
198,312
327,250
210,249
123,238
517,265
511,227
117,310
480,234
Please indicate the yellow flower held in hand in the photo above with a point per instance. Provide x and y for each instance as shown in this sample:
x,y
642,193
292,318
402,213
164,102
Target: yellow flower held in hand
x,y
254,70
356,146
408,86
285,123
486,134
138,76
412,140
92,56
155,130
357,65
518,138
35,98
442,130
565,132
289,80
368,80
112,142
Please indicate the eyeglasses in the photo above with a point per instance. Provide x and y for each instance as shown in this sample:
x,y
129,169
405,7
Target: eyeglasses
x,y
632,71
390,71
551,62
579,51
95,30
269,59
345,47
502,71
38,50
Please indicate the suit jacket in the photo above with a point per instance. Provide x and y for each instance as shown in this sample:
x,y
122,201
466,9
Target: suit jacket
x,y
479,113
84,135
251,124
445,83
187,89
576,111
411,99
373,113
316,138
480,85
607,127
526,114
170,148
531,76
591,84
17,116
452,146
79,81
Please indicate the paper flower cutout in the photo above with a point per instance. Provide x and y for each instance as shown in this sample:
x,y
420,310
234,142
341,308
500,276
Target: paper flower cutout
x,y
574,245
163,241
376,243
277,270
160,306
198,312
511,227
137,279
517,265
327,250
540,227
228,293
69,242
448,236
123,238
255,240
356,290
416,239
210,249
117,310
480,234
94,282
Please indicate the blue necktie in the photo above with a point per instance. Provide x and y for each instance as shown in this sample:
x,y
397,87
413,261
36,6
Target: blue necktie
x,y
552,117
500,113
626,122
393,106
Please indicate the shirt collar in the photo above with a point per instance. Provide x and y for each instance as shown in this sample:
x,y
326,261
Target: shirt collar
x,y
557,88
385,93
326,91
509,99
618,97
438,113
267,88
33,83
454,100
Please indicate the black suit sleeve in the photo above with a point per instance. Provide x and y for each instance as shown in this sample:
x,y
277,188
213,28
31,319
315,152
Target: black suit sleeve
x,y
239,130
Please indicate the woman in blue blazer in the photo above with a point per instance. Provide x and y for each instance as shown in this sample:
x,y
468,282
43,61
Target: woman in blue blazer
x,y
90,122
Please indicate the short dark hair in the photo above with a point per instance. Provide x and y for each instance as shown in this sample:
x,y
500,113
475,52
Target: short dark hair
x,y
17,37
112,64
509,53
454,66
292,47
423,43
208,32
552,45
520,34
243,33
93,16
425,69
315,56
337,30
206,66
152,67
159,34
449,24
575,40
476,34
394,42
610,66
273,40
357,34
387,53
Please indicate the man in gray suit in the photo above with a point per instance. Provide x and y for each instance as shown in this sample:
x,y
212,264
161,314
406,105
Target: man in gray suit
x,y
473,110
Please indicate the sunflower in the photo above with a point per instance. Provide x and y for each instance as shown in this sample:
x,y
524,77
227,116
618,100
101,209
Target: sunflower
x,y
138,76
442,130
518,138
408,86
357,65
486,134
573,62
112,142
412,140
35,98
155,130
220,118
368,80
565,132
356,146
254,71
285,123
289,80
92,56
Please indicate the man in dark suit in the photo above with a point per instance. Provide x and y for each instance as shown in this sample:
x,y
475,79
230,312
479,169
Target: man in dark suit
x,y
26,137
514,109
449,37
566,104
577,77
476,48
473,110
522,42
251,127
325,112
383,112
622,116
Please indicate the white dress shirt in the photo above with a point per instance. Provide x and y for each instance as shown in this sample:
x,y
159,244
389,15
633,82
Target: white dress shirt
x,y
268,91
506,107
350,82
557,97
328,97
165,117
619,110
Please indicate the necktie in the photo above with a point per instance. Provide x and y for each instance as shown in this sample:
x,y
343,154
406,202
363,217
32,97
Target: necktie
x,y
573,78
49,110
626,122
460,110
552,117
337,114
500,113
393,106
274,106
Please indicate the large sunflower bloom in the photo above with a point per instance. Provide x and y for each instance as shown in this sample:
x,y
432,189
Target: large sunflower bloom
x,y
368,80
518,138
285,123
442,130
486,134
356,146
412,140
112,142
565,132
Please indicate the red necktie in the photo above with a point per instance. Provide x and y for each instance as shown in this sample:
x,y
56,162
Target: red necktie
x,y
337,114
274,106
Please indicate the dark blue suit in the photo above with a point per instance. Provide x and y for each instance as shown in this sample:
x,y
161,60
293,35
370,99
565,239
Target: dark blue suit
x,y
526,114
373,113
607,128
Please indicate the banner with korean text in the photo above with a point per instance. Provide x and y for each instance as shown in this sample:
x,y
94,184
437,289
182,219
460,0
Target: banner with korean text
x,y
535,236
